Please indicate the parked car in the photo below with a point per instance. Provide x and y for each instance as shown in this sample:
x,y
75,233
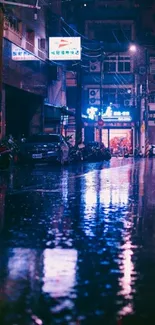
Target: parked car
x,y
44,148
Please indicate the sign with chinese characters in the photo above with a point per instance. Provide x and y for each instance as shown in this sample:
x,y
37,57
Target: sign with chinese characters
x,y
19,54
111,115
64,48
92,111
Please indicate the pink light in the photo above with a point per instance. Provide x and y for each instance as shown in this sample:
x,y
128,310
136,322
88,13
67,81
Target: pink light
x,y
133,48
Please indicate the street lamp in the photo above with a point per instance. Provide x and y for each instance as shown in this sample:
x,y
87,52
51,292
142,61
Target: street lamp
x,y
144,146
133,48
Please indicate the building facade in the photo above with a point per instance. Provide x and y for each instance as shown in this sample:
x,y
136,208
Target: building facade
x,y
29,79
113,76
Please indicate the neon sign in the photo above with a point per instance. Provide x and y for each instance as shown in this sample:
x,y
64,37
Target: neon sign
x,y
92,112
109,115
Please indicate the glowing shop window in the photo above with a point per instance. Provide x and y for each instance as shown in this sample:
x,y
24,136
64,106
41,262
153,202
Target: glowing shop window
x,y
105,137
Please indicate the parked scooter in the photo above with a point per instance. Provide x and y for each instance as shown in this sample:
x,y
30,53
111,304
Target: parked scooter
x,y
75,154
138,153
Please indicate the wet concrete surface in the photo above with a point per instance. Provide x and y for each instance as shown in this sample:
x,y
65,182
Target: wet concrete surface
x,y
77,244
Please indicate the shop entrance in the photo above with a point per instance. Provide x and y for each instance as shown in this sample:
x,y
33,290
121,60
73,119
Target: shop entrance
x,y
118,140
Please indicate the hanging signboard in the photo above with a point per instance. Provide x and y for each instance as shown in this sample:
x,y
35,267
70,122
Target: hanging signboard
x,y
64,48
19,54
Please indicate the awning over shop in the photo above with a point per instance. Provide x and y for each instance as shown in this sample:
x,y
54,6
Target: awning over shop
x,y
57,111
65,111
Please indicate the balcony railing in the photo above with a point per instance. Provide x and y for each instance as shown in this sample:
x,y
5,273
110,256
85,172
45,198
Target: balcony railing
x,y
11,34
42,55
30,47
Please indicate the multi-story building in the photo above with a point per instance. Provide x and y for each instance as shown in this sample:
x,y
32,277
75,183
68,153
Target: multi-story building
x,y
113,76
30,80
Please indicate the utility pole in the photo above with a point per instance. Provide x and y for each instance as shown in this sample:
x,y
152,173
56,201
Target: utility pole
x,y
101,93
1,68
146,103
78,113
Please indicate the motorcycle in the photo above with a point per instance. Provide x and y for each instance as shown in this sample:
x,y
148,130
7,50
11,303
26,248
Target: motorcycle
x,y
75,154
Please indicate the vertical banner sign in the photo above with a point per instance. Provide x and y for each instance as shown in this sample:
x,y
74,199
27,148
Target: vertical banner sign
x,y
64,48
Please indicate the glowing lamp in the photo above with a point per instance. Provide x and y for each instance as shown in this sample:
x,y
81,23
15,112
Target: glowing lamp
x,y
133,48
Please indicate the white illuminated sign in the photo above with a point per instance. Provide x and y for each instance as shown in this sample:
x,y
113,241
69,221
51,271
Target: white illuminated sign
x,y
117,115
64,48
108,112
19,54
92,112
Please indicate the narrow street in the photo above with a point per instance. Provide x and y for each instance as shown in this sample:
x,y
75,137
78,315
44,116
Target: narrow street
x,y
77,244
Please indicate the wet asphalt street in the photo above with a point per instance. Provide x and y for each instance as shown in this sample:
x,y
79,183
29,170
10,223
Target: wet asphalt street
x,y
77,244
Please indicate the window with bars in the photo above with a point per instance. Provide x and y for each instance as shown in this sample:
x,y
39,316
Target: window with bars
x,y
109,95
116,95
124,64
117,64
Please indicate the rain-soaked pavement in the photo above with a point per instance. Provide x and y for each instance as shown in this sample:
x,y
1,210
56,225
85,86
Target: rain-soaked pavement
x,y
77,244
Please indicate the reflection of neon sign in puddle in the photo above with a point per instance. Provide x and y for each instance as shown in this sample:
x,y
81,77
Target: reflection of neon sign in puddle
x,y
59,271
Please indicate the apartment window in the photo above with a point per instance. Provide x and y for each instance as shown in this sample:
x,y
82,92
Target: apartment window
x,y
110,64
30,36
15,23
116,95
124,64
41,44
117,64
109,95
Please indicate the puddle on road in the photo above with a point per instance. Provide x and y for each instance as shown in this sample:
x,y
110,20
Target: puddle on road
x,y
83,254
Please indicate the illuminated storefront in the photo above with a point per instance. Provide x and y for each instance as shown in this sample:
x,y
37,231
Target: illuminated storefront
x,y
118,130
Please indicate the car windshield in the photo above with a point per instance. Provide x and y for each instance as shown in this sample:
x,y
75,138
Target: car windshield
x,y
44,138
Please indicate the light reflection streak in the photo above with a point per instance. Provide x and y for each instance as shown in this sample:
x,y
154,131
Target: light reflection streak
x,y
90,200
65,179
59,271
110,192
21,263
127,268
21,266
90,192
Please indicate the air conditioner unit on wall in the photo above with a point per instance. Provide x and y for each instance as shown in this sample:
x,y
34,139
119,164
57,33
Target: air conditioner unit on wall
x,y
95,66
94,97
128,102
